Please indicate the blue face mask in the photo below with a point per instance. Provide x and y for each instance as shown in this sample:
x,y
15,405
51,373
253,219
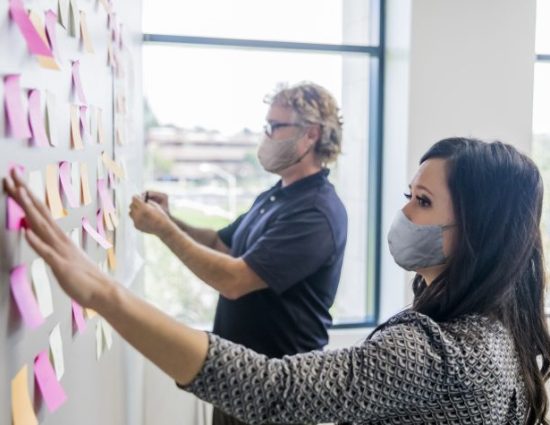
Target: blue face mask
x,y
414,246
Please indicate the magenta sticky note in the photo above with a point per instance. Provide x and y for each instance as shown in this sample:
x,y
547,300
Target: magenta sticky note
x,y
15,214
105,198
36,45
78,82
52,392
36,119
78,315
66,184
24,298
51,21
16,113
102,241
100,226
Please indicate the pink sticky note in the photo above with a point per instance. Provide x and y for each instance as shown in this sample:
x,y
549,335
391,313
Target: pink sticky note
x,y
100,226
52,391
104,243
24,298
66,184
78,82
83,122
51,21
36,45
15,214
106,201
36,118
78,315
17,116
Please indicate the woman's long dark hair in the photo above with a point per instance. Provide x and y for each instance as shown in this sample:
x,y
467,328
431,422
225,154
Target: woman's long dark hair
x,y
497,264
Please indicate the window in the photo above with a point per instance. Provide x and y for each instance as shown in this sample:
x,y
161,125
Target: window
x,y
541,112
207,68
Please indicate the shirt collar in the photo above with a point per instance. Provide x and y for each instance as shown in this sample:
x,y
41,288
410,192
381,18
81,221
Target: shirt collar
x,y
304,184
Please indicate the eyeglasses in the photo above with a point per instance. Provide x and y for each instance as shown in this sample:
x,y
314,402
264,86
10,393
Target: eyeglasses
x,y
270,128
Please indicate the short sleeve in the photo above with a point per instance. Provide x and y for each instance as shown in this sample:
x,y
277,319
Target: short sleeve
x,y
226,233
292,248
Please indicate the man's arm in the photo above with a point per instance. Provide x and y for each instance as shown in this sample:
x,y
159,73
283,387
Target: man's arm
x,y
230,276
206,237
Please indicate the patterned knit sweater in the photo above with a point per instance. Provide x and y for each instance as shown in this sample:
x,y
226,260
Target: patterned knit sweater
x,y
413,371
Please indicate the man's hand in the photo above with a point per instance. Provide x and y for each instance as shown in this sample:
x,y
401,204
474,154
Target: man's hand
x,y
158,197
149,217
79,277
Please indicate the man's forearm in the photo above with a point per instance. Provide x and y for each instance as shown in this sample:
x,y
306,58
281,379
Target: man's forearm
x,y
215,268
177,349
206,237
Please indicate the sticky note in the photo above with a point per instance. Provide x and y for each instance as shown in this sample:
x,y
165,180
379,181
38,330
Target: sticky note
x,y
75,237
21,404
104,196
65,175
52,192
78,82
84,128
90,313
87,226
76,137
86,40
63,13
38,23
41,285
24,298
17,115
52,392
100,346
85,185
78,316
36,118
35,43
100,132
75,179
56,352
50,119
73,27
111,259
107,333
100,226
112,165
36,184
51,25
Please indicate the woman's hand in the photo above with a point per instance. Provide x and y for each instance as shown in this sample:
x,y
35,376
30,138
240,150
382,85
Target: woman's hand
x,y
149,217
77,275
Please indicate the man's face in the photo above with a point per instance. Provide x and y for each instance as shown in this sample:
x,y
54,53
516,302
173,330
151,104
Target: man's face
x,y
278,115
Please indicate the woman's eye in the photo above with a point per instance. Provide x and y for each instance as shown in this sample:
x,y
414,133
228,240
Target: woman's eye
x,y
423,202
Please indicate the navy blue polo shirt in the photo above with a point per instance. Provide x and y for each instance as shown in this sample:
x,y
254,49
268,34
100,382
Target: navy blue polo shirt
x,y
294,239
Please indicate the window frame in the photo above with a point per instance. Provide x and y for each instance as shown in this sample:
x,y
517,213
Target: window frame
x,y
376,54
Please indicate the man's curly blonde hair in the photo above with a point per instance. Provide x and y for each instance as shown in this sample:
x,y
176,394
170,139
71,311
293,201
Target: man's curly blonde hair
x,y
313,104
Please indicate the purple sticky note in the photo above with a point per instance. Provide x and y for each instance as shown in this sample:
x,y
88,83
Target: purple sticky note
x,y
17,116
78,315
101,240
24,298
105,198
36,119
100,226
51,21
36,45
52,391
78,82
66,184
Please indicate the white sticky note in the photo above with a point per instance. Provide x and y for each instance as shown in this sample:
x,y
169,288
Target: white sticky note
x,y
56,352
75,179
41,285
107,333
36,184
99,339
75,236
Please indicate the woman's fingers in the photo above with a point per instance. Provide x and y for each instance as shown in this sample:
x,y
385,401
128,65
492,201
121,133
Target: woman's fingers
x,y
49,255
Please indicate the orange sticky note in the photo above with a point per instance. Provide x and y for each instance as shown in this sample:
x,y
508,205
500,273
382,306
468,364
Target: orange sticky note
x,y
86,40
21,405
76,137
111,259
52,192
85,185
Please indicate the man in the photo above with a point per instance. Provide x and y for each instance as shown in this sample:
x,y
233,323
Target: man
x,y
277,267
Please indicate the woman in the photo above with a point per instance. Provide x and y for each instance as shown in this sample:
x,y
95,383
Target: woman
x,y
466,352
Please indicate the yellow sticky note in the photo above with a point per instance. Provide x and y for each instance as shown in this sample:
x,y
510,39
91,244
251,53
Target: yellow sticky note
x,y
52,192
21,405
90,313
84,184
86,40
76,137
108,222
111,259
38,24
112,165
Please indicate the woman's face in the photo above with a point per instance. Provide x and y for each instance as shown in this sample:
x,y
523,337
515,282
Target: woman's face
x,y
429,202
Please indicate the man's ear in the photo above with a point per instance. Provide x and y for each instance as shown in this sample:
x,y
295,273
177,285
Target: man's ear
x,y
314,132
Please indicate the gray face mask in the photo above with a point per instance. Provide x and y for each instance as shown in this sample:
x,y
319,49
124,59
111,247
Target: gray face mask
x,y
276,155
414,246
